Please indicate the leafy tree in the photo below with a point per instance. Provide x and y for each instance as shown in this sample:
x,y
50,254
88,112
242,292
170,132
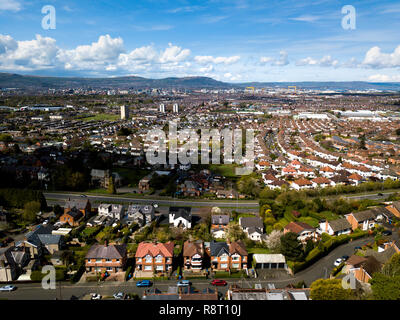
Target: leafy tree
x,y
235,232
291,247
248,185
30,210
329,289
385,287
111,186
273,240
5,137
392,267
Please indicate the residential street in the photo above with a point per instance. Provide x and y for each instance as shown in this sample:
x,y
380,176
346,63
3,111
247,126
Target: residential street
x,y
320,269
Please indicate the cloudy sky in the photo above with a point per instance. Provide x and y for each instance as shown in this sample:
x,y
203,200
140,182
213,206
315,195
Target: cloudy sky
x,y
229,40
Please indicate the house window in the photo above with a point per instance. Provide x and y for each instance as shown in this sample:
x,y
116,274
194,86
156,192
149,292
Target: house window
x,y
224,258
109,269
224,266
235,265
148,268
99,260
149,259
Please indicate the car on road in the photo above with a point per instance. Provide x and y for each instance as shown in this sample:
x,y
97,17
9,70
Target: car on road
x,y
144,283
119,296
155,205
345,258
338,261
183,283
8,288
83,196
357,248
95,296
218,282
386,233
380,194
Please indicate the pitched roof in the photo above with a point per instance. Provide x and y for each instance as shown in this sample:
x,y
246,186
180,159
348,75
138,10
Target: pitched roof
x,y
298,227
111,251
339,224
192,248
77,203
364,215
154,249
355,260
220,219
184,212
247,222
217,247
238,247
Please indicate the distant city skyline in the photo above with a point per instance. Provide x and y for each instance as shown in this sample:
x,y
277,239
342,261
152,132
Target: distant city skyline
x,y
231,41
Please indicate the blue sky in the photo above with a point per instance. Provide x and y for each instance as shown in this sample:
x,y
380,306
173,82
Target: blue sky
x,y
233,41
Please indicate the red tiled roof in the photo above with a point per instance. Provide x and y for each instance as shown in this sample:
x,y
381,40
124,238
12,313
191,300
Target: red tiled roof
x,y
165,249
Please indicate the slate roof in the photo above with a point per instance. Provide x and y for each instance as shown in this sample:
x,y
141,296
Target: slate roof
x,y
184,212
217,248
247,222
339,224
220,219
99,251
364,215
80,204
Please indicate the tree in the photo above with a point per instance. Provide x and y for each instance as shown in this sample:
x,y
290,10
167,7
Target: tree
x,y
392,267
385,287
30,210
248,185
111,186
235,232
273,240
291,247
329,289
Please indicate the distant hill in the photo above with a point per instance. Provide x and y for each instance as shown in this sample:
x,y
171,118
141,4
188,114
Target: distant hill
x,y
10,80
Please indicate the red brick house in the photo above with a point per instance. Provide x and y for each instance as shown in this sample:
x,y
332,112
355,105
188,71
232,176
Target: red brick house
x,y
111,258
154,257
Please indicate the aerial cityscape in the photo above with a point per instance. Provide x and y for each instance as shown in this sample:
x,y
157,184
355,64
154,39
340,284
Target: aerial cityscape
x,y
130,172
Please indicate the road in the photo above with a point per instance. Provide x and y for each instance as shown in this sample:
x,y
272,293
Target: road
x,y
61,197
321,269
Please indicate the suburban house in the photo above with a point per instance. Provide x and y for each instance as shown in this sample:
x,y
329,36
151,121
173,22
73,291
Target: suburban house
x,y
363,267
335,227
219,224
180,217
394,208
225,256
109,257
100,177
8,268
144,183
363,220
82,204
154,257
303,230
253,227
193,254
140,214
41,241
73,217
114,211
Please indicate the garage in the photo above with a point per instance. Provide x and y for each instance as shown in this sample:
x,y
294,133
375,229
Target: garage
x,y
269,261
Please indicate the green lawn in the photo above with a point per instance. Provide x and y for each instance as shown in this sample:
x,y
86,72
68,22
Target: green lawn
x,y
258,250
226,170
102,117
132,176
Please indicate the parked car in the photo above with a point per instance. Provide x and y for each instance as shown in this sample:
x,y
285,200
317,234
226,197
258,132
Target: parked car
x,y
380,194
95,296
338,262
119,296
8,288
387,233
218,282
357,248
144,283
345,258
155,205
183,283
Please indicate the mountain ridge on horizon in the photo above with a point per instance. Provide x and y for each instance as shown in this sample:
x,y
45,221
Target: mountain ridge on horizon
x,y
14,80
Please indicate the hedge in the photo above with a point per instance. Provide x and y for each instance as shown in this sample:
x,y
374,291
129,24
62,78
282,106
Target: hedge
x,y
77,276
37,275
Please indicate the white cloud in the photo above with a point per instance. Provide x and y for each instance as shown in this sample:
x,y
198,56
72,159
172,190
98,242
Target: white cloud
x,y
39,53
283,59
264,60
174,54
10,5
325,61
384,78
216,60
375,58
306,18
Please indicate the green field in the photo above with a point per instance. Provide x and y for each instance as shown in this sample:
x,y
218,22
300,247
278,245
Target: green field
x,y
102,117
226,170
